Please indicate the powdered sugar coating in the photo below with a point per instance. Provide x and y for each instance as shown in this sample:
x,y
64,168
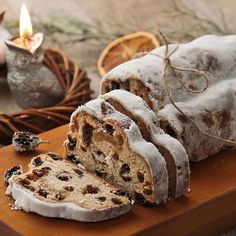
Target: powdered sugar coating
x,y
214,54
214,111
72,202
145,149
134,104
24,199
181,160
137,106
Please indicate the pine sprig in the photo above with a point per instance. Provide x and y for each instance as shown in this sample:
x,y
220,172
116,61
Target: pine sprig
x,y
196,26
89,38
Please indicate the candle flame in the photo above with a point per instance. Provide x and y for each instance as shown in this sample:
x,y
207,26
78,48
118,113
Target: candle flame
x,y
25,23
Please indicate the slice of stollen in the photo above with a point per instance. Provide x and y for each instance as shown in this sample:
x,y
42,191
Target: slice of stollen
x,y
170,148
110,144
55,187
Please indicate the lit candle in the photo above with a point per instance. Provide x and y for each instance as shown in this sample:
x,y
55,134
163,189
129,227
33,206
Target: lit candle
x,y
27,40
26,29
32,84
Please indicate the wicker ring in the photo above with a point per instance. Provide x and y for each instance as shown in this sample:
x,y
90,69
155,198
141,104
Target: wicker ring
x,y
76,85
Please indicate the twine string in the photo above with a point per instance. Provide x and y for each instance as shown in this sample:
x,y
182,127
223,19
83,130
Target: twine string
x,y
167,65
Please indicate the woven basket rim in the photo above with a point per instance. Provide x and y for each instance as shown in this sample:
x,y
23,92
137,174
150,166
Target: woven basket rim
x,y
74,82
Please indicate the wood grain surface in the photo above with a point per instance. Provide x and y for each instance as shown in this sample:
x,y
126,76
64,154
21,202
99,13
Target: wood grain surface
x,y
202,17
209,208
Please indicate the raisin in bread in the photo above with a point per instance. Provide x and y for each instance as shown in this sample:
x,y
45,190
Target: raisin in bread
x,y
55,187
214,54
214,111
171,149
110,144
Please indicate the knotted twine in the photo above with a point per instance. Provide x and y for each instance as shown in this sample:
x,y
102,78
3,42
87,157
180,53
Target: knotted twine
x,y
167,66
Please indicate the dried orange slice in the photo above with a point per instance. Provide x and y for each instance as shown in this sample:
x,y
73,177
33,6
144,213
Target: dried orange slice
x,y
125,48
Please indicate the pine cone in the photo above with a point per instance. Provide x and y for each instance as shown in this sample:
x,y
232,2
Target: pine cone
x,y
25,141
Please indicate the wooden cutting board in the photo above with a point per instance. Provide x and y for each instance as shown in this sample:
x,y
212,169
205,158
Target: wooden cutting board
x,y
209,208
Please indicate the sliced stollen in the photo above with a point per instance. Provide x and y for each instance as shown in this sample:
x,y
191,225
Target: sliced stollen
x,y
214,111
171,149
55,187
216,55
110,144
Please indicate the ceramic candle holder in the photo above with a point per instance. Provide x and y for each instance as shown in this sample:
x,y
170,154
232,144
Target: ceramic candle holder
x,y
32,84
